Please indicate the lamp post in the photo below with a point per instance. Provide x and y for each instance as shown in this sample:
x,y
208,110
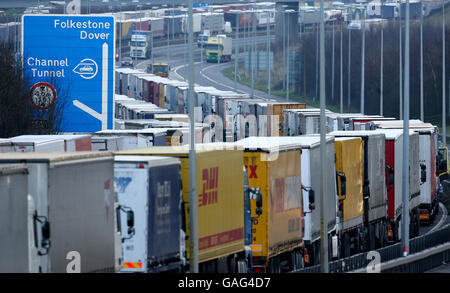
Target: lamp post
x,y
323,225
363,58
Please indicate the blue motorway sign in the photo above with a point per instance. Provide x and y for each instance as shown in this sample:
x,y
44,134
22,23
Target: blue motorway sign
x,y
75,55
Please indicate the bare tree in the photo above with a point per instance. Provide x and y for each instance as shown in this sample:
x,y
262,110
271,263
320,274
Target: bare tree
x,y
18,114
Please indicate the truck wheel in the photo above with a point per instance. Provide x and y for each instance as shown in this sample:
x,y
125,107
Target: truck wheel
x,y
242,267
346,246
274,265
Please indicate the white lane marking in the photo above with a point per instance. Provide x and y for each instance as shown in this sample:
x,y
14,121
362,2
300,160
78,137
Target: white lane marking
x,y
441,221
175,70
232,88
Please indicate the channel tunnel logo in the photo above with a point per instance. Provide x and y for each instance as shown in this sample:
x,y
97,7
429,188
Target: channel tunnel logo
x,y
87,68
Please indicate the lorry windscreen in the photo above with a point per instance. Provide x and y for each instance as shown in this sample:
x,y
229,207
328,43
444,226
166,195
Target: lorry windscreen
x,y
160,68
214,47
138,44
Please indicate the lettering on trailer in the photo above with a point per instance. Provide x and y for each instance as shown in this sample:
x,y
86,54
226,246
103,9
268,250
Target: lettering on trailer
x,y
122,183
221,238
163,207
210,179
252,173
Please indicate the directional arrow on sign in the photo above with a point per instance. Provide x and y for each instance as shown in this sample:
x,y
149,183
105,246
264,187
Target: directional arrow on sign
x,y
103,117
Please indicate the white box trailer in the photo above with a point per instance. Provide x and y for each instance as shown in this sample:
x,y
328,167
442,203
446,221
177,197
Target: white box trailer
x,y
5,145
37,143
73,203
213,22
107,143
196,21
374,182
137,138
302,121
17,251
135,84
311,175
151,187
429,203
122,79
72,142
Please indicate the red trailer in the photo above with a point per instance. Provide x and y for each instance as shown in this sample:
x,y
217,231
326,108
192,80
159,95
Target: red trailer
x,y
394,170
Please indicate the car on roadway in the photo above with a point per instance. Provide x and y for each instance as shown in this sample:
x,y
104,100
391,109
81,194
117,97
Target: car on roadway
x,y
127,61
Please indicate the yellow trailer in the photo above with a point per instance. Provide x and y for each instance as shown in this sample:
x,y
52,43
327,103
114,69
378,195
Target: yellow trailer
x,y
274,178
349,170
220,193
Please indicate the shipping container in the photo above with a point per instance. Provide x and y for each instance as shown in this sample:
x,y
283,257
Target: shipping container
x,y
37,143
374,184
72,200
274,174
220,204
151,187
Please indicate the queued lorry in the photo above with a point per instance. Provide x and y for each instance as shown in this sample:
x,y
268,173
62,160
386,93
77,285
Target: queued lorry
x,y
52,142
274,179
218,49
221,226
311,175
374,185
141,44
5,145
394,170
61,213
429,163
151,187
349,177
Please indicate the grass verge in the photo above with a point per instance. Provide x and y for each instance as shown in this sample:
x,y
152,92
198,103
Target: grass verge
x,y
244,80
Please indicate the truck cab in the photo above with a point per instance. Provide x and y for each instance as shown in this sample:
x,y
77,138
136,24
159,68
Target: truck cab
x,y
140,44
218,49
442,168
160,69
